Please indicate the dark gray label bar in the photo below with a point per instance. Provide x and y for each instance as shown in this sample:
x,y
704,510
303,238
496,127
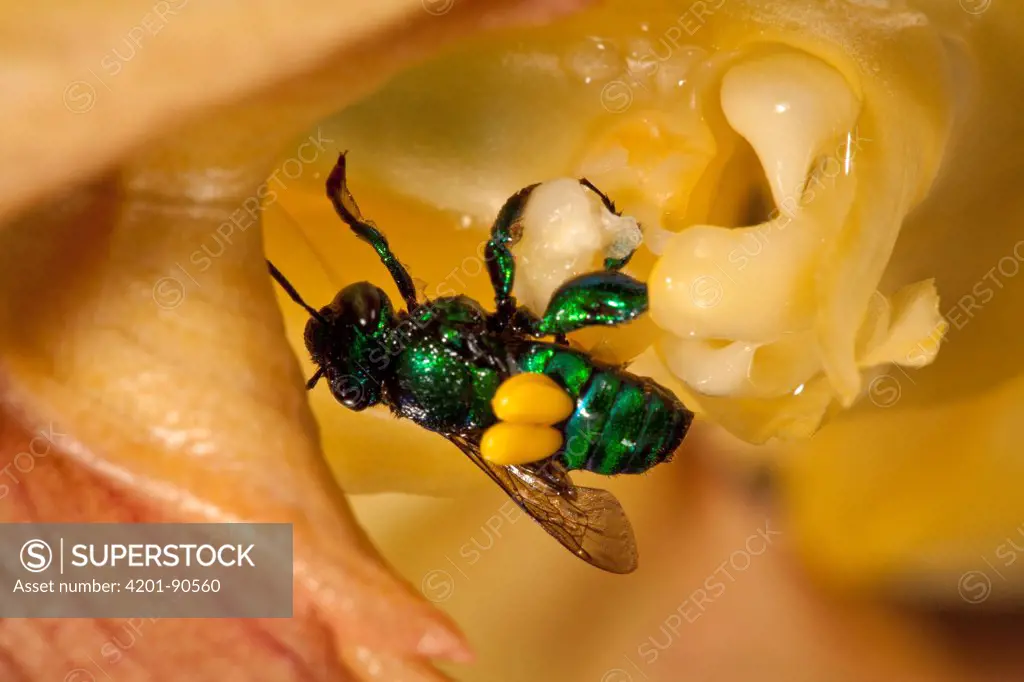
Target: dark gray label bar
x,y
146,570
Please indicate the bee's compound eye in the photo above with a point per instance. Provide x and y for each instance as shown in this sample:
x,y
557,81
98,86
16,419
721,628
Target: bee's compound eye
x,y
315,335
348,391
361,305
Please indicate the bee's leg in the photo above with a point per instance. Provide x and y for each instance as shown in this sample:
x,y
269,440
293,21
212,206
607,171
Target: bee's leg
x,y
614,264
501,265
604,298
525,322
347,210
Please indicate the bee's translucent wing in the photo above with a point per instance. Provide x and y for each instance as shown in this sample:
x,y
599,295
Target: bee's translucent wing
x,y
588,522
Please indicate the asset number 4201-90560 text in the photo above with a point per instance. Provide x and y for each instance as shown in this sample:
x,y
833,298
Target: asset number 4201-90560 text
x,y
175,585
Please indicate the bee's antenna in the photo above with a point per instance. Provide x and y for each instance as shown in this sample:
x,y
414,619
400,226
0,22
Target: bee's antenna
x,y
290,290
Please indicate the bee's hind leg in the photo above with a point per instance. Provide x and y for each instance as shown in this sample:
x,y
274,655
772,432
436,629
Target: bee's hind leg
x,y
554,473
604,298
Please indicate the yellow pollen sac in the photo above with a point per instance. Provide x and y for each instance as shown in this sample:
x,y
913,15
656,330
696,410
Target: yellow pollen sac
x,y
532,398
506,443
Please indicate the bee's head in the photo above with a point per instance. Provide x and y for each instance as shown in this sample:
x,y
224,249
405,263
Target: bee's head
x,y
348,339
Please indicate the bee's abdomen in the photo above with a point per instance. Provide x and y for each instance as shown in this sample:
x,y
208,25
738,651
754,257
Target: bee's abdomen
x,y
622,424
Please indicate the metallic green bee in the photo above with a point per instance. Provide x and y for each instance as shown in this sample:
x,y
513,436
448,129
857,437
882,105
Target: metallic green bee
x,y
441,362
